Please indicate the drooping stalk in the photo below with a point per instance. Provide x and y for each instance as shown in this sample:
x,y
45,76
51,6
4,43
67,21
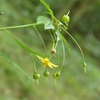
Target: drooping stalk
x,y
33,61
83,59
63,49
41,39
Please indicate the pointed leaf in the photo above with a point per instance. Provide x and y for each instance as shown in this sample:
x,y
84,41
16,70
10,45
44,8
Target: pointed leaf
x,y
48,7
25,47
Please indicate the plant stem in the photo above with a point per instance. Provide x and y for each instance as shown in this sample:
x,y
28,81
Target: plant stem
x,y
20,26
75,42
41,39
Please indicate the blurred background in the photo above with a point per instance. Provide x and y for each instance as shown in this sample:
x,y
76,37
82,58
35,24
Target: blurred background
x,y
73,84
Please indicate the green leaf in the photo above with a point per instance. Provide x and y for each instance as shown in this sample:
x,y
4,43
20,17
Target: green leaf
x,y
46,21
23,45
48,7
11,61
50,11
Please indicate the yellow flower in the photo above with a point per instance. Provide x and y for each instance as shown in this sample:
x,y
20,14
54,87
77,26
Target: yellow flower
x,y
46,62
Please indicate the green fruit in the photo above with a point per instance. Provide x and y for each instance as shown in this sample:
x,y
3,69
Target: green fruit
x,y
65,19
56,75
36,75
46,73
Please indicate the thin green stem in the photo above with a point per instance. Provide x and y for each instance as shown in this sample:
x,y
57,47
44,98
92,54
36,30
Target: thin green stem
x,y
20,26
74,41
41,39
58,54
56,42
63,49
37,82
33,61
50,56
68,12
56,39
66,43
52,38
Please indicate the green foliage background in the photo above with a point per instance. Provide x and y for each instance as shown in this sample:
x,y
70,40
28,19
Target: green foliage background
x,y
73,83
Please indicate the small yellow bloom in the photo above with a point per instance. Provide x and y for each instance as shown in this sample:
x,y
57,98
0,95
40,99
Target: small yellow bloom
x,y
46,62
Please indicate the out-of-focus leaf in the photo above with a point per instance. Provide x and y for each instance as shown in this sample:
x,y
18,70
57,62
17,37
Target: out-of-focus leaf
x,y
11,61
46,21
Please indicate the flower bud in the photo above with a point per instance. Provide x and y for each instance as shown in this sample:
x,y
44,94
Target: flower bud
x,y
36,75
56,75
53,51
65,19
46,73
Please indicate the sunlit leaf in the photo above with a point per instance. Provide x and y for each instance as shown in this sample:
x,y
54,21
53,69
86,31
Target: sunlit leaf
x,y
46,21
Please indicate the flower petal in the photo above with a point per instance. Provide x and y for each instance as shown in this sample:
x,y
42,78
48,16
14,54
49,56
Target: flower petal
x,y
50,65
40,57
53,64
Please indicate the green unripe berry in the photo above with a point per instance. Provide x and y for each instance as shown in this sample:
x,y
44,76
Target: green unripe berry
x,y
56,75
46,73
65,19
36,75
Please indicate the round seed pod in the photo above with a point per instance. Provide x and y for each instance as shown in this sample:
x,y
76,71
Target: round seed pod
x,y
53,51
56,74
36,75
65,19
46,73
